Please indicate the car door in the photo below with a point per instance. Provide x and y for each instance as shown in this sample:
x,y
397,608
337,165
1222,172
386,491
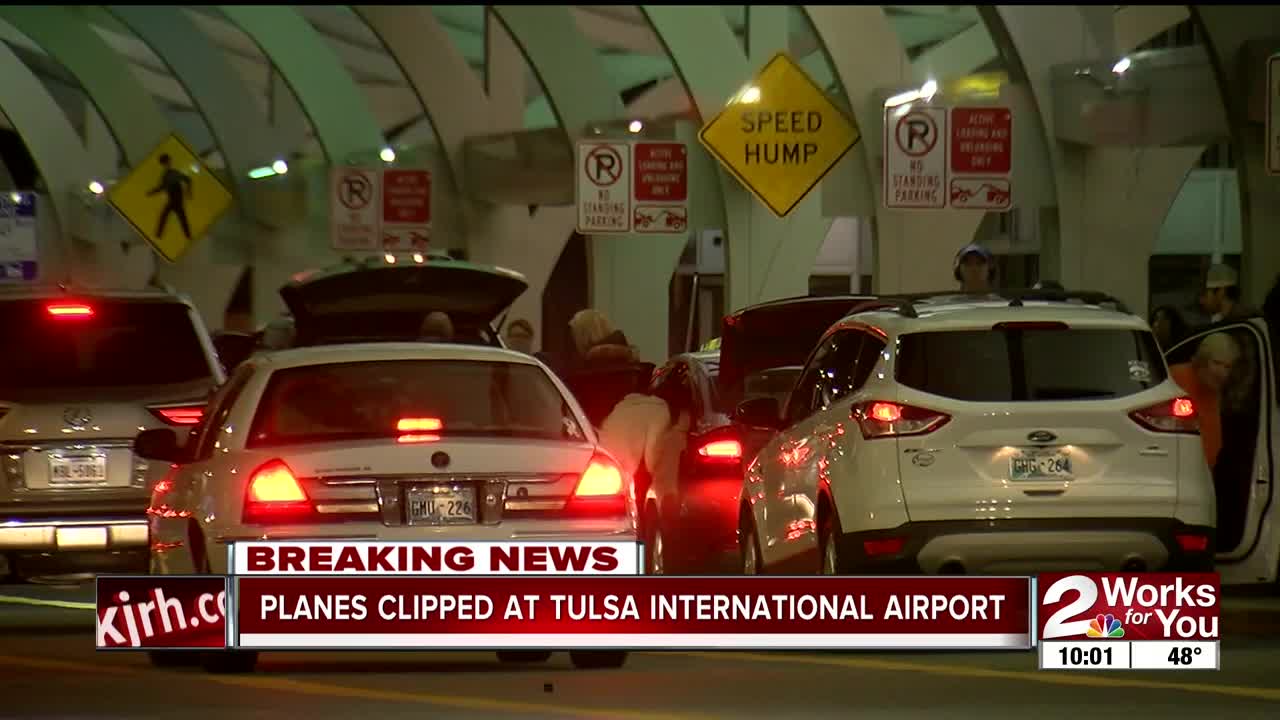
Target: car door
x,y
788,464
1243,476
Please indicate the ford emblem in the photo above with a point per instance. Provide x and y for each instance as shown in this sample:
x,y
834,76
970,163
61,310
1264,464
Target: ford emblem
x,y
1042,436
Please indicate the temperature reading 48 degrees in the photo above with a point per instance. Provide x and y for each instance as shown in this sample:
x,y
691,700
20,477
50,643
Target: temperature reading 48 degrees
x,y
1184,655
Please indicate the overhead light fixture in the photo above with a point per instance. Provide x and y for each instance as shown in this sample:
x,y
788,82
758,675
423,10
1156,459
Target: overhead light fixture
x,y
96,187
417,257
925,93
280,167
16,197
391,259
261,172
388,155
1120,67
635,126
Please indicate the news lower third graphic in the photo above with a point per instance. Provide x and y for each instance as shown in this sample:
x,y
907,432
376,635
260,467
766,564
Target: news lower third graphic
x,y
1150,621
370,595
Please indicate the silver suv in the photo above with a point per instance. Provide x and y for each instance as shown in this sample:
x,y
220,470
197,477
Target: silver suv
x,y
82,375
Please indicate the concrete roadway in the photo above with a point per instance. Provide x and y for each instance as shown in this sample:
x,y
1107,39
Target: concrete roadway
x,y
48,669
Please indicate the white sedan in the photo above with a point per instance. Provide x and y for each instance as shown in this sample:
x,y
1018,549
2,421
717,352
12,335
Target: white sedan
x,y
386,441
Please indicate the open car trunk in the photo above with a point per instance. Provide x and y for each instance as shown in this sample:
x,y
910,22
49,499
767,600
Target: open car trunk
x,y
387,302
775,334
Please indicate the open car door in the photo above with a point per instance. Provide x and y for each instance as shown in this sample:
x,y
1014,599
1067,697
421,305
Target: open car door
x,y
1243,476
386,302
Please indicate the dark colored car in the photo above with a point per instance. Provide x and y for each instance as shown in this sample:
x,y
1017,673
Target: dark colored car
x,y
690,506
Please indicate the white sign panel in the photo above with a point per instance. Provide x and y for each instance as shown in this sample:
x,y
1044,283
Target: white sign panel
x,y
1273,115
604,187
19,251
355,208
915,157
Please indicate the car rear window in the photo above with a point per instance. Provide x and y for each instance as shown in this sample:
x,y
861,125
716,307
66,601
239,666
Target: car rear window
x,y
1030,364
98,343
383,399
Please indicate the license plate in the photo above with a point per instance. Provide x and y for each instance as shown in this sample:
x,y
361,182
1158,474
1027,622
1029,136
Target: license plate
x,y
78,470
1040,466
441,505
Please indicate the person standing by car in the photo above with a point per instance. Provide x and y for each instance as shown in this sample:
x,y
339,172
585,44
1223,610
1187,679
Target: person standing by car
x,y
1204,378
518,335
604,367
1168,326
436,327
975,269
1220,298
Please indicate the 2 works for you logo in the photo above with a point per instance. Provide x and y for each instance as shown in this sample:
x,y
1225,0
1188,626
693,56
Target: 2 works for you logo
x,y
1128,606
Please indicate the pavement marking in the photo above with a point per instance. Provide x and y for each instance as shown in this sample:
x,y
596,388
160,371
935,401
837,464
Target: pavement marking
x,y
346,691
65,604
968,671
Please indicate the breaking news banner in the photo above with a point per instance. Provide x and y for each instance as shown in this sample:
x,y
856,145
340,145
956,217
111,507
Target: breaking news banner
x,y
371,557
1128,621
283,612
161,612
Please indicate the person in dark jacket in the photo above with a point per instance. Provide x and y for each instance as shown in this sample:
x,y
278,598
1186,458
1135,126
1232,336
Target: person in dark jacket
x,y
604,368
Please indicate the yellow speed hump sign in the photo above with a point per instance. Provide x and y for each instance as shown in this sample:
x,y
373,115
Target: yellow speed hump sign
x,y
171,198
780,135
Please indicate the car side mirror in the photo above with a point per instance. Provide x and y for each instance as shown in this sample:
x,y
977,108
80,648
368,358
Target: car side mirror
x,y
160,445
763,412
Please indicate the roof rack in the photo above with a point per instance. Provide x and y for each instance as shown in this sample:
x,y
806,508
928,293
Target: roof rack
x,y
905,304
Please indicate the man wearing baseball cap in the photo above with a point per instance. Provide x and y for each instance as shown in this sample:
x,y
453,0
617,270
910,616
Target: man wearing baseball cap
x,y
1220,298
975,269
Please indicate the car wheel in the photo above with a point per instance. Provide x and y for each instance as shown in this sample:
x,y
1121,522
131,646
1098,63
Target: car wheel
x,y
829,533
230,662
655,550
173,658
598,659
517,657
749,545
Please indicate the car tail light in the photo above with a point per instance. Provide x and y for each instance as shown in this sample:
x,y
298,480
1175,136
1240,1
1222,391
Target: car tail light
x,y
189,414
418,429
274,495
1171,416
880,419
601,488
69,310
1192,542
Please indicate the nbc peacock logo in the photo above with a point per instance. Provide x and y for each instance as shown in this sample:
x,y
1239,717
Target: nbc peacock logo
x,y
1105,626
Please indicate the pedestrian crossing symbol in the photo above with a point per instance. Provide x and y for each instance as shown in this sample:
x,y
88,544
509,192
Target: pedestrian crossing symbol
x,y
171,198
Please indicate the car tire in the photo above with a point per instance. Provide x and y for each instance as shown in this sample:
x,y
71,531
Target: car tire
x,y
173,658
523,657
655,550
230,662
749,546
828,547
598,659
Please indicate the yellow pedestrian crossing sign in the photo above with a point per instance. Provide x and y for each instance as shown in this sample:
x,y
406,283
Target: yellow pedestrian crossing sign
x,y
171,198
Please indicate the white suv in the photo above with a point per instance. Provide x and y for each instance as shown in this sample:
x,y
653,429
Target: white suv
x,y
1028,432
